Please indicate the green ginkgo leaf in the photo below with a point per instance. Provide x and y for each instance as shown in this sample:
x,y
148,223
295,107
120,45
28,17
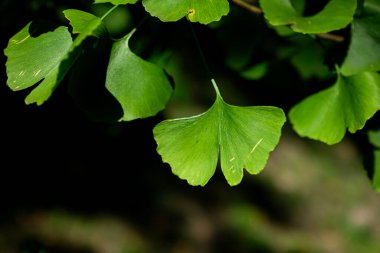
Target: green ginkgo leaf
x,y
337,14
243,137
364,51
116,2
196,10
85,24
349,103
32,59
142,88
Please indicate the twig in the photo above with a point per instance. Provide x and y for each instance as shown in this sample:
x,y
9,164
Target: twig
x,y
330,36
247,6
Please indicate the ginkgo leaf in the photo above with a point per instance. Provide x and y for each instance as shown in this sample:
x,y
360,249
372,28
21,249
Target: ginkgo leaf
x,y
364,51
47,57
83,23
337,14
243,137
32,59
349,103
142,88
116,2
196,10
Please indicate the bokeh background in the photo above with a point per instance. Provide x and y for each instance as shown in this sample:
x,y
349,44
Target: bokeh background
x,y
73,179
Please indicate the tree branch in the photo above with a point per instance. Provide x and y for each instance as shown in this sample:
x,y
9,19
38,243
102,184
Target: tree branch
x,y
251,8
330,36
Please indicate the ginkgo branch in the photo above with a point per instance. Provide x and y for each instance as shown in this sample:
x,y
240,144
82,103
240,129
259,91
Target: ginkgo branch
x,y
251,8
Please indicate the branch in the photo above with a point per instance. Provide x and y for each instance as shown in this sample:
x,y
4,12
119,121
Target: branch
x,y
330,36
251,8
256,10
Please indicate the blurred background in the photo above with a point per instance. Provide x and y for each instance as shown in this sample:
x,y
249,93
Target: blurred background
x,y
73,179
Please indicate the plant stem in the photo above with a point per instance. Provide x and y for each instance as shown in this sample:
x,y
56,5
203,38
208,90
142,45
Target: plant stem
x,y
216,87
109,11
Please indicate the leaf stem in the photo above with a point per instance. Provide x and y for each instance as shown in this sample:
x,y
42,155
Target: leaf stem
x,y
109,11
215,87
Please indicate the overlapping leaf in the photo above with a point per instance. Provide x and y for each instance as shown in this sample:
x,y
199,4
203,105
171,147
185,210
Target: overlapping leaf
x,y
364,50
141,87
196,10
85,24
349,103
243,137
47,57
337,14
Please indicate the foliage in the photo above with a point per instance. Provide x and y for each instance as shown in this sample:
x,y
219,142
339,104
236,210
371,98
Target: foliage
x,y
242,136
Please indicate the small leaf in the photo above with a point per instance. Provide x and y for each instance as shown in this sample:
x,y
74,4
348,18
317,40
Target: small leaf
x,y
116,2
141,87
349,103
374,169
196,10
32,59
242,136
376,173
364,51
337,14
374,138
85,24
255,72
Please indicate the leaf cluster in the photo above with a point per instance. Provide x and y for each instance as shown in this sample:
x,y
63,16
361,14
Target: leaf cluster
x,y
241,137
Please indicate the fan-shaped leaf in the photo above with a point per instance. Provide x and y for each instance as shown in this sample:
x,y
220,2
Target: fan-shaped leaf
x,y
349,103
196,10
141,87
243,136
364,50
337,14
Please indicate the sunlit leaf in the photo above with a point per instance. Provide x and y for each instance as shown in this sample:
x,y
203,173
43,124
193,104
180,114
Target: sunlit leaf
x,y
349,103
116,2
243,137
141,87
364,50
31,60
337,14
196,10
